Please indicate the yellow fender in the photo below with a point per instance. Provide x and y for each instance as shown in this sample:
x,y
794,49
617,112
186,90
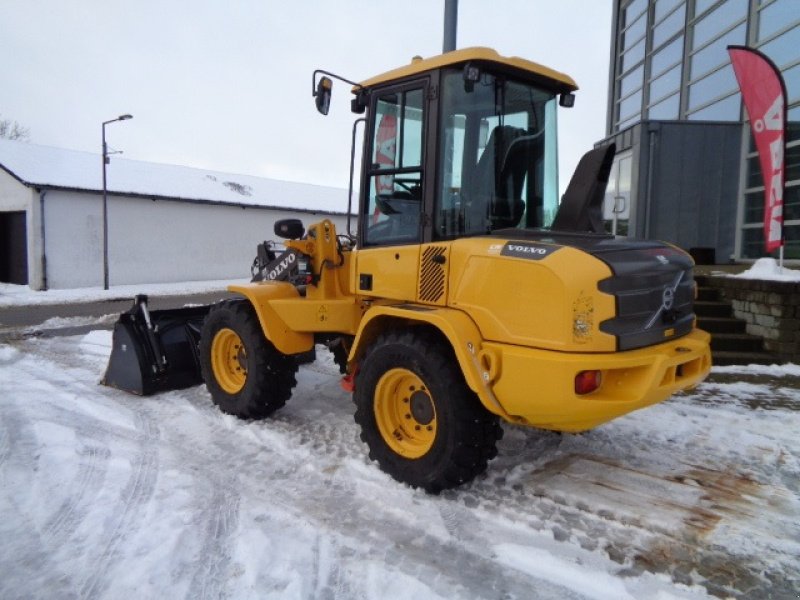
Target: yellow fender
x,y
480,366
274,327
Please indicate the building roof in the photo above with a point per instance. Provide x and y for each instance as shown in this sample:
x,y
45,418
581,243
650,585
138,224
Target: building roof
x,y
47,167
477,54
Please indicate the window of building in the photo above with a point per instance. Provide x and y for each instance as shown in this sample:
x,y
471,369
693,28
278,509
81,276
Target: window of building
x,y
668,56
792,79
777,16
666,109
702,6
785,48
635,32
632,11
633,56
669,26
631,82
718,21
663,8
630,105
719,83
716,53
665,84
726,109
752,230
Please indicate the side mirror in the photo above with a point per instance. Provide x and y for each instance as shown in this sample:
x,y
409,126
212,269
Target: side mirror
x,y
322,95
290,229
567,100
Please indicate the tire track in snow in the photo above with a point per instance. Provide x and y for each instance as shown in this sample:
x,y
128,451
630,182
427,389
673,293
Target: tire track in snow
x,y
74,509
222,520
5,440
134,497
18,524
366,518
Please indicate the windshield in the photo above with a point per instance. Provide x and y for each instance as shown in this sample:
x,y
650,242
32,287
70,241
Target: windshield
x,y
498,165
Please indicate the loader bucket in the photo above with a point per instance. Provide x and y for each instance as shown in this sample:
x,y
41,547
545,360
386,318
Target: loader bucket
x,y
155,351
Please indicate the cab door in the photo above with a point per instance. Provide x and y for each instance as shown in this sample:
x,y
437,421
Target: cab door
x,y
393,191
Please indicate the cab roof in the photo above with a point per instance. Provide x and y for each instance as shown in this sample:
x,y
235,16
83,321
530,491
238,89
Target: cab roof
x,y
477,54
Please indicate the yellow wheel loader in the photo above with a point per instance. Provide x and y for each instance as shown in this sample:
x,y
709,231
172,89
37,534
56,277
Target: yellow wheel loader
x,y
469,295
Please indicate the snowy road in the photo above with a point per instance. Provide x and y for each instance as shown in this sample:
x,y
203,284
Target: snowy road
x,y
107,495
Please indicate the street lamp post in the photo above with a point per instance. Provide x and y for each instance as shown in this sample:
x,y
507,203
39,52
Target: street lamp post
x,y
105,199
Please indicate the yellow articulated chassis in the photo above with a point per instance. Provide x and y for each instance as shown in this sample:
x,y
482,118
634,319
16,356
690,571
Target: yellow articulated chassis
x,y
521,330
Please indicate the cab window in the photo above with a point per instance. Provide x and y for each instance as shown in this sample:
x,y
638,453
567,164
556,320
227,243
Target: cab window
x,y
394,202
497,167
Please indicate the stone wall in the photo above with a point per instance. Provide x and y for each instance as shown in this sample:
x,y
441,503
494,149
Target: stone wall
x,y
770,308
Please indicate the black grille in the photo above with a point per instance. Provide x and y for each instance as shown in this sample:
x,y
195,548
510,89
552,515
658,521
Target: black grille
x,y
432,275
654,294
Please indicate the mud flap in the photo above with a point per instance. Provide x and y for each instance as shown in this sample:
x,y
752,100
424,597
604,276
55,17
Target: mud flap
x,y
155,351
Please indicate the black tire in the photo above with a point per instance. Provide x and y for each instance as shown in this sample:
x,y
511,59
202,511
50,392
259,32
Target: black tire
x,y
255,382
462,435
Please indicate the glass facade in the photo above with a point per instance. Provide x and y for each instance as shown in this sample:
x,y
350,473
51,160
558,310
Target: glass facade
x,y
671,63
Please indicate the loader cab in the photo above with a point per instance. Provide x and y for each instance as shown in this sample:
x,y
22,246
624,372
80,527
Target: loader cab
x,y
458,146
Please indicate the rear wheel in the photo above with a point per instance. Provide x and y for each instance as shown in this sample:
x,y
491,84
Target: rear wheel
x,y
245,374
422,423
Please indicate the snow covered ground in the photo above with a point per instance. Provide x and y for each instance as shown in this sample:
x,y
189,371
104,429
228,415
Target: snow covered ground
x,y
108,495
22,295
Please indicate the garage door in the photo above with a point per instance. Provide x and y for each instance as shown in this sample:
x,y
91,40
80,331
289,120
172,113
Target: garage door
x,y
13,248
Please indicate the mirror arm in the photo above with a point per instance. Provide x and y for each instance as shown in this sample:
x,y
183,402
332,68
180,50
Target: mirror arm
x,y
334,75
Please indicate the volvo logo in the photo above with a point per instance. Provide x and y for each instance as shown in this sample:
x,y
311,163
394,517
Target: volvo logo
x,y
667,300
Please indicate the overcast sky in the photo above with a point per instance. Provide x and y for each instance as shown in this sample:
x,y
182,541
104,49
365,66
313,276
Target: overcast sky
x,y
226,85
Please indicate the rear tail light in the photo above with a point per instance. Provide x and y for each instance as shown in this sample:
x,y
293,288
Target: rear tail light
x,y
587,381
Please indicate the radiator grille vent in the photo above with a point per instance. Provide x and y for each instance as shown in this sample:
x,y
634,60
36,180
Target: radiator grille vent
x,y
432,274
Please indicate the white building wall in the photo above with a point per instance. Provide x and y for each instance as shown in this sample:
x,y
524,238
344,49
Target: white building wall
x,y
73,239
154,241
14,195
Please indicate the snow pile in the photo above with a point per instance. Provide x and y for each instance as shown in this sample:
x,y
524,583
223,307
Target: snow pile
x,y
767,269
22,295
772,371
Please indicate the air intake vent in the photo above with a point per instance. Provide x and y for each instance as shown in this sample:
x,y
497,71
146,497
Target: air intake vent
x,y
432,276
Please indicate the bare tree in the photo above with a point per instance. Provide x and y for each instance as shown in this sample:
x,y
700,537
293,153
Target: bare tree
x,y
11,130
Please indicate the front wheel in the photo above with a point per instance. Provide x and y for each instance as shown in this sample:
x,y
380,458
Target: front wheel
x,y
245,374
421,422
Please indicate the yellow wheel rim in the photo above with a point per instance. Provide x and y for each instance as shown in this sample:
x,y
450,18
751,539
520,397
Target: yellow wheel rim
x,y
229,361
405,413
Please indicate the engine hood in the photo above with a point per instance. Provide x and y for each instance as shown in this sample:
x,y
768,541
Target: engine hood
x,y
572,292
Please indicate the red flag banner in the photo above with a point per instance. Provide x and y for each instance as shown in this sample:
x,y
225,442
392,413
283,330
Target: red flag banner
x,y
764,95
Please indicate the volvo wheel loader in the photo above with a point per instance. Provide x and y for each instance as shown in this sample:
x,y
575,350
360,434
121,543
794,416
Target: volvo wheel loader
x,y
469,295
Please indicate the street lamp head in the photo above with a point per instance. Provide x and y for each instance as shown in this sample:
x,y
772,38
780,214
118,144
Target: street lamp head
x,y
125,117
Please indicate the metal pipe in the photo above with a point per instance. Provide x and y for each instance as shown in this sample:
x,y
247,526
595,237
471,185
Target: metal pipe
x,y
105,212
42,231
105,199
450,25
653,130
352,170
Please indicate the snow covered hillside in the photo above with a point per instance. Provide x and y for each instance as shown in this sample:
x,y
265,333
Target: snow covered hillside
x,y
107,495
